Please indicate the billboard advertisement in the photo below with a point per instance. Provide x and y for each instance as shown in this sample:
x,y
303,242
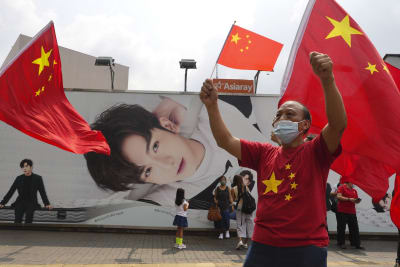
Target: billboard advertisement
x,y
159,142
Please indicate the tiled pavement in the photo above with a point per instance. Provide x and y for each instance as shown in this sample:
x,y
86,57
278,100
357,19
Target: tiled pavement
x,y
61,249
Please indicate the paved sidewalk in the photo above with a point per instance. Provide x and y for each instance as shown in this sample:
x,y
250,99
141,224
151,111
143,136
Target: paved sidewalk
x,y
62,249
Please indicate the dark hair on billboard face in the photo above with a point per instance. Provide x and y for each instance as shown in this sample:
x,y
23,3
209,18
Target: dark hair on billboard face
x,y
27,161
114,172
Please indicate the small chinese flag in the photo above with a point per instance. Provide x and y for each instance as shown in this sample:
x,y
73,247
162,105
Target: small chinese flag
x,y
32,98
371,142
247,50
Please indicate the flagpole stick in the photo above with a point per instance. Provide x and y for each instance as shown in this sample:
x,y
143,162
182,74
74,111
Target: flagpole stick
x,y
222,48
212,73
256,81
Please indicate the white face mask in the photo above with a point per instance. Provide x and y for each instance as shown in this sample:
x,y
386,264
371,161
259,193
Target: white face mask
x,y
286,131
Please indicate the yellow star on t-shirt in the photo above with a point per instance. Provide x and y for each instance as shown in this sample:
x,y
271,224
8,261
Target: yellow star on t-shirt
x,y
43,61
371,68
288,166
272,184
342,28
288,197
292,175
235,38
293,185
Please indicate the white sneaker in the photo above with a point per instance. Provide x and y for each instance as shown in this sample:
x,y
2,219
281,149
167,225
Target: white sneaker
x,y
227,235
245,246
181,246
221,236
239,245
176,245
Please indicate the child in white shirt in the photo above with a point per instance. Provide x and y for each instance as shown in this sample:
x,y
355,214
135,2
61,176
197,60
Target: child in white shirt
x,y
180,220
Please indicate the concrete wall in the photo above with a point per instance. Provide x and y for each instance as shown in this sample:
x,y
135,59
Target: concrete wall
x,y
79,71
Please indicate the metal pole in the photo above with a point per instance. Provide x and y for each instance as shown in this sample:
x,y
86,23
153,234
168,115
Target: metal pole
x,y
112,77
185,78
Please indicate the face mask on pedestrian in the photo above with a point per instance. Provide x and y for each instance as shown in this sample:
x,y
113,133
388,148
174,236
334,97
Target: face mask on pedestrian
x,y
286,131
223,183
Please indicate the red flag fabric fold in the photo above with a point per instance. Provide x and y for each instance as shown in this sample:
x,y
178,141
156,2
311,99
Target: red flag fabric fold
x,y
371,142
395,205
247,50
32,99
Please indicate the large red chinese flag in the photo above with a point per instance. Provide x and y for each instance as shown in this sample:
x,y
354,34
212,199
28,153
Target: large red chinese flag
x,y
395,205
32,98
371,142
247,50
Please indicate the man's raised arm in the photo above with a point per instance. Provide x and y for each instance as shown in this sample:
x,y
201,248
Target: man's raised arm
x,y
224,138
334,107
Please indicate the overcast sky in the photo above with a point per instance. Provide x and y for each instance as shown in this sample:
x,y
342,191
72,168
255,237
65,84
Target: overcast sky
x,y
152,36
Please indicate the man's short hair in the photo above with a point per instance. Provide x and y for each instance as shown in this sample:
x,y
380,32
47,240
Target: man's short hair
x,y
114,172
27,161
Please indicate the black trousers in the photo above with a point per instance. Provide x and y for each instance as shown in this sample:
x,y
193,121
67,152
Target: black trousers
x,y
351,221
24,208
398,247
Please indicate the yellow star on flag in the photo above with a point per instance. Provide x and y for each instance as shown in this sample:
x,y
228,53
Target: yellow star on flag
x,y
292,175
371,68
37,93
293,185
54,62
342,28
272,184
43,61
385,68
235,38
288,166
50,77
288,197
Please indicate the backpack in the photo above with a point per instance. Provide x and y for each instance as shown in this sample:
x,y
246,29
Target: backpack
x,y
249,203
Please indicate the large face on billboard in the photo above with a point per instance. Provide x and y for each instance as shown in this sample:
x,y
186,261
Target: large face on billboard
x,y
166,158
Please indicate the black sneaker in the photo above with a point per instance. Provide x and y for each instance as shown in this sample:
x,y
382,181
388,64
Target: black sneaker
x,y
342,246
360,247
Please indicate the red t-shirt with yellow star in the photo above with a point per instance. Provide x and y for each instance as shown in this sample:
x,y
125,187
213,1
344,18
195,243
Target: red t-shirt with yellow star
x,y
291,184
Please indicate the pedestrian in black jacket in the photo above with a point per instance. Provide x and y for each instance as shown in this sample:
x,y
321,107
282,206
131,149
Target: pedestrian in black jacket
x,y
27,185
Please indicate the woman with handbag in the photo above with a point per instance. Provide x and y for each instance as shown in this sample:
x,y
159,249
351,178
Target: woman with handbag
x,y
244,222
223,199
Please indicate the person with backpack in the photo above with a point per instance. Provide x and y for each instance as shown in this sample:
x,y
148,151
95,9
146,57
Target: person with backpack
x,y
223,199
244,221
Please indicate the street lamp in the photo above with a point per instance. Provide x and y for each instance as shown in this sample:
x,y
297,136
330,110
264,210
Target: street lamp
x,y
187,64
107,61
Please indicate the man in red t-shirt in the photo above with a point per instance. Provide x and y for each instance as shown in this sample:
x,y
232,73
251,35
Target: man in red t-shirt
x,y
290,225
346,214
